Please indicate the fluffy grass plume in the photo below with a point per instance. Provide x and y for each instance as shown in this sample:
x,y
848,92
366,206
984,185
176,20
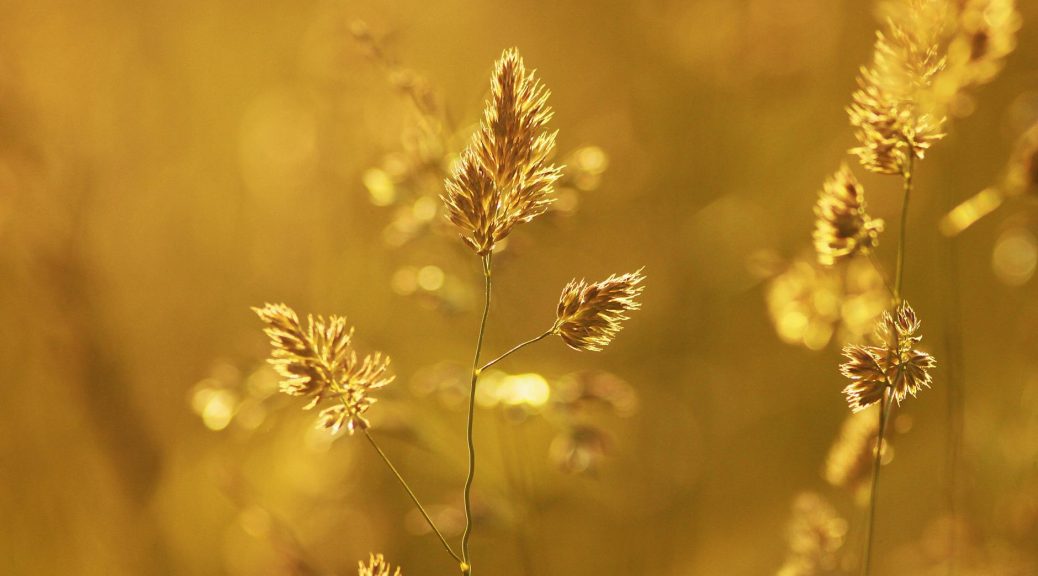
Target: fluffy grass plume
x,y
888,112
504,177
319,363
590,315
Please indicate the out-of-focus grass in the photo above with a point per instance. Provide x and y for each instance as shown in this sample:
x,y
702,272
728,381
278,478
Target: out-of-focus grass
x,y
163,166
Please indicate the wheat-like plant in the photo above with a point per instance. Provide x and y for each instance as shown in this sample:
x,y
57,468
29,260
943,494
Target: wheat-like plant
x,y
924,60
895,122
504,177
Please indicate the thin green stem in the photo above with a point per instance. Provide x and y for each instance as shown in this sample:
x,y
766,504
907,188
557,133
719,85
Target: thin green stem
x,y
466,564
516,348
899,275
411,493
884,407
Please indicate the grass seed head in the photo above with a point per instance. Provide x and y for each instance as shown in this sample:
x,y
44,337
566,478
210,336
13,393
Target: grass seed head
x,y
590,315
842,227
505,176
319,363
895,363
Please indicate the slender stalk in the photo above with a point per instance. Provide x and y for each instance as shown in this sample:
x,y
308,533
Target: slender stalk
x,y
411,493
899,276
516,348
466,564
884,407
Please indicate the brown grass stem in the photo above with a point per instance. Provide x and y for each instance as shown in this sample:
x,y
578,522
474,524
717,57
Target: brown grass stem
x,y
516,348
411,493
466,564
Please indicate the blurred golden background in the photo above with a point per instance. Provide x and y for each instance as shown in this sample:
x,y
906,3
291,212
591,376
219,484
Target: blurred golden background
x,y
165,166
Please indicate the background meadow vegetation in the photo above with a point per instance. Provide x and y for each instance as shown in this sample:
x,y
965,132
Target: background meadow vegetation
x,y
165,166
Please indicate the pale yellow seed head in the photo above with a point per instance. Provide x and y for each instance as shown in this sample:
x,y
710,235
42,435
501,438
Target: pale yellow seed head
x,y
505,176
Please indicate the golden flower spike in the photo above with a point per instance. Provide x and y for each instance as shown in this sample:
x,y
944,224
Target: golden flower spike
x,y
504,177
887,111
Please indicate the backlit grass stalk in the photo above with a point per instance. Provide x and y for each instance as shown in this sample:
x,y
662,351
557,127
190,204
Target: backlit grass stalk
x,y
503,178
318,362
466,566
884,407
896,119
414,497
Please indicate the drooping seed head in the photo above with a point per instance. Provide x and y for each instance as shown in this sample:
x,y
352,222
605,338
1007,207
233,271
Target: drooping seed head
x,y
842,227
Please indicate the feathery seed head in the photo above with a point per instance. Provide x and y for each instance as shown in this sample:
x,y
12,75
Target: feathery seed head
x,y
504,177
590,315
889,109
843,228
376,566
319,362
895,363
472,202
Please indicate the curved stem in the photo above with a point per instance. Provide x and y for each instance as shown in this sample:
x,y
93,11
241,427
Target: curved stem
x,y
884,408
899,275
516,348
411,493
466,564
